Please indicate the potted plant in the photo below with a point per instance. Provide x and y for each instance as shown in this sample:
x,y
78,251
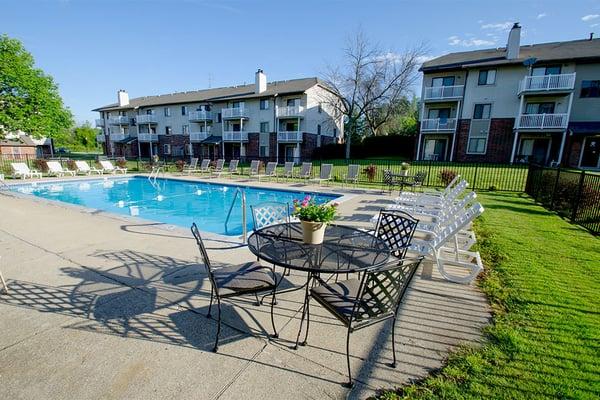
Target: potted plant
x,y
314,218
404,168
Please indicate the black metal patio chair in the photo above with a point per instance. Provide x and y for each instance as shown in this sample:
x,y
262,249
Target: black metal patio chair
x,y
271,213
235,280
374,298
396,228
417,181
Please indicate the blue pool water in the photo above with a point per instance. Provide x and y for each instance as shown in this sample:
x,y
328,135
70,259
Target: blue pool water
x,y
169,201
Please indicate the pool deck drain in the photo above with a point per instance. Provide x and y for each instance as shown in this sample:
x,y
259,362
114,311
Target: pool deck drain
x,y
102,306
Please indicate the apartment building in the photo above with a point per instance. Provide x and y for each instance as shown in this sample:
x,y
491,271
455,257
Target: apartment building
x,y
516,104
283,120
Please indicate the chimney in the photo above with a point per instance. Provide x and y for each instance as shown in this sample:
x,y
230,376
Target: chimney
x,y
260,80
123,97
514,42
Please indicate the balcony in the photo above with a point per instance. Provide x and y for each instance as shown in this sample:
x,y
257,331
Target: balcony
x,y
100,138
200,116
196,137
115,137
120,120
290,112
438,125
289,136
234,113
547,83
147,137
543,121
146,119
100,123
235,136
437,93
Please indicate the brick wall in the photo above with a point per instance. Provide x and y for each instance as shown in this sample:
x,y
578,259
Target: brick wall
x,y
309,143
573,148
273,145
500,141
173,140
252,147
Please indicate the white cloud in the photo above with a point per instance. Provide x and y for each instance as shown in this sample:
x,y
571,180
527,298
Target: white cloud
x,y
541,15
422,59
589,17
594,25
499,26
470,42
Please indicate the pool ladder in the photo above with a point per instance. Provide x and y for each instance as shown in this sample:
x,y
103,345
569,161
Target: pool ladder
x,y
238,191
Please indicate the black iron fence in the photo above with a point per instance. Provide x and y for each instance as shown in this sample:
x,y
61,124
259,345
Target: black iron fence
x,y
573,194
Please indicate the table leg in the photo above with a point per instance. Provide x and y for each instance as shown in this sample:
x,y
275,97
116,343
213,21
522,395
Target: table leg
x,y
304,308
277,292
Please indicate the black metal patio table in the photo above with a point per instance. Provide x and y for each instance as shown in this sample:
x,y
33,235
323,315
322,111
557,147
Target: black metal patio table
x,y
344,250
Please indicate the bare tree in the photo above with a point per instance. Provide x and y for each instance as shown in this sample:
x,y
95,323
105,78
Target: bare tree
x,y
369,82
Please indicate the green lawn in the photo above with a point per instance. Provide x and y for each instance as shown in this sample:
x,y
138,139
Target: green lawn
x,y
543,281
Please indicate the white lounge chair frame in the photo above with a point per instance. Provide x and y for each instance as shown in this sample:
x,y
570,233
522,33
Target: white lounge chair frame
x,y
191,167
270,170
352,175
84,168
288,169
254,166
218,167
21,170
325,174
108,166
233,168
55,169
305,170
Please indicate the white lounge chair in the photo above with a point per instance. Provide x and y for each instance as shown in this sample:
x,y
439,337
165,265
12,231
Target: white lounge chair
x,y
254,166
431,195
288,169
191,167
55,169
305,170
433,202
21,170
84,168
270,170
107,166
325,174
218,170
204,166
352,175
233,168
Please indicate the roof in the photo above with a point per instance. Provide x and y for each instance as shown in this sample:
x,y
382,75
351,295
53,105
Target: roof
x,y
21,141
212,139
571,50
218,94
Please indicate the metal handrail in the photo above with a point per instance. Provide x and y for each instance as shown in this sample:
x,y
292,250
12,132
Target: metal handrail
x,y
244,227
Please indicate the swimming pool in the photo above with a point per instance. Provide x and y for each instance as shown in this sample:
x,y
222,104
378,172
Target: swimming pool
x,y
170,201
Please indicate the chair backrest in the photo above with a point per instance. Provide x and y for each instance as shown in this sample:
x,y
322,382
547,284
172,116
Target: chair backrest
x,y
204,254
270,170
459,223
326,171
254,164
220,164
107,165
288,167
305,169
382,289
193,162
270,213
20,167
396,228
82,165
54,166
205,164
455,192
353,171
387,177
451,185
233,164
420,177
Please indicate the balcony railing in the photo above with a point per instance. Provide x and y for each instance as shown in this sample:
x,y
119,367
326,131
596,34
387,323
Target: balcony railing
x,y
115,137
444,92
234,112
198,136
200,116
438,124
147,137
289,136
290,111
235,136
120,120
146,119
100,138
100,122
547,83
543,121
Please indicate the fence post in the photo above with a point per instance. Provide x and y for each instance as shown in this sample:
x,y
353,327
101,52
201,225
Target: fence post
x,y
428,172
578,197
475,176
554,188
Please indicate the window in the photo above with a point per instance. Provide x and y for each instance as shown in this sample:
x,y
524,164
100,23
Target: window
x,y
320,108
482,111
590,89
168,130
318,129
149,111
153,130
539,108
443,81
185,129
167,111
123,113
264,104
547,70
167,149
219,118
334,132
177,151
238,104
291,126
264,127
477,145
487,77
183,110
263,151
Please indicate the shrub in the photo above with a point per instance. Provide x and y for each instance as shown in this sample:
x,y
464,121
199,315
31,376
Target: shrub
x,y
370,171
40,164
493,188
121,162
71,165
447,175
179,164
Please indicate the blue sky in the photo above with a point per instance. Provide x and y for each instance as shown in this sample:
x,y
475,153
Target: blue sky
x,y
93,48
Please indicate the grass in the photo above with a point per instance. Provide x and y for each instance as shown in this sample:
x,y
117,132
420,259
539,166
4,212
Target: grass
x,y
542,279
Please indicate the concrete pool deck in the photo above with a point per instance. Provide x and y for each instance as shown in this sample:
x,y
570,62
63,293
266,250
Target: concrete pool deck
x,y
103,306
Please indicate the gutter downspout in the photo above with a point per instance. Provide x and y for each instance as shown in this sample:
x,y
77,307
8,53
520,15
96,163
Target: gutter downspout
x,y
459,113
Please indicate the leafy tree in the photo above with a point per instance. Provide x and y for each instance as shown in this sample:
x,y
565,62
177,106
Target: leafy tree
x,y
403,120
80,138
29,99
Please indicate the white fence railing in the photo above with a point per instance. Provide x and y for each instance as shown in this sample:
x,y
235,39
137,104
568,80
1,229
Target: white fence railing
x,y
235,112
543,121
289,136
235,136
120,120
146,119
547,83
290,111
100,122
100,138
198,136
438,124
115,137
443,92
147,137
200,116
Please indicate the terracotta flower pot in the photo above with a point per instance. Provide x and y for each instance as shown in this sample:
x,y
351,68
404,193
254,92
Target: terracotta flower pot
x,y
313,232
